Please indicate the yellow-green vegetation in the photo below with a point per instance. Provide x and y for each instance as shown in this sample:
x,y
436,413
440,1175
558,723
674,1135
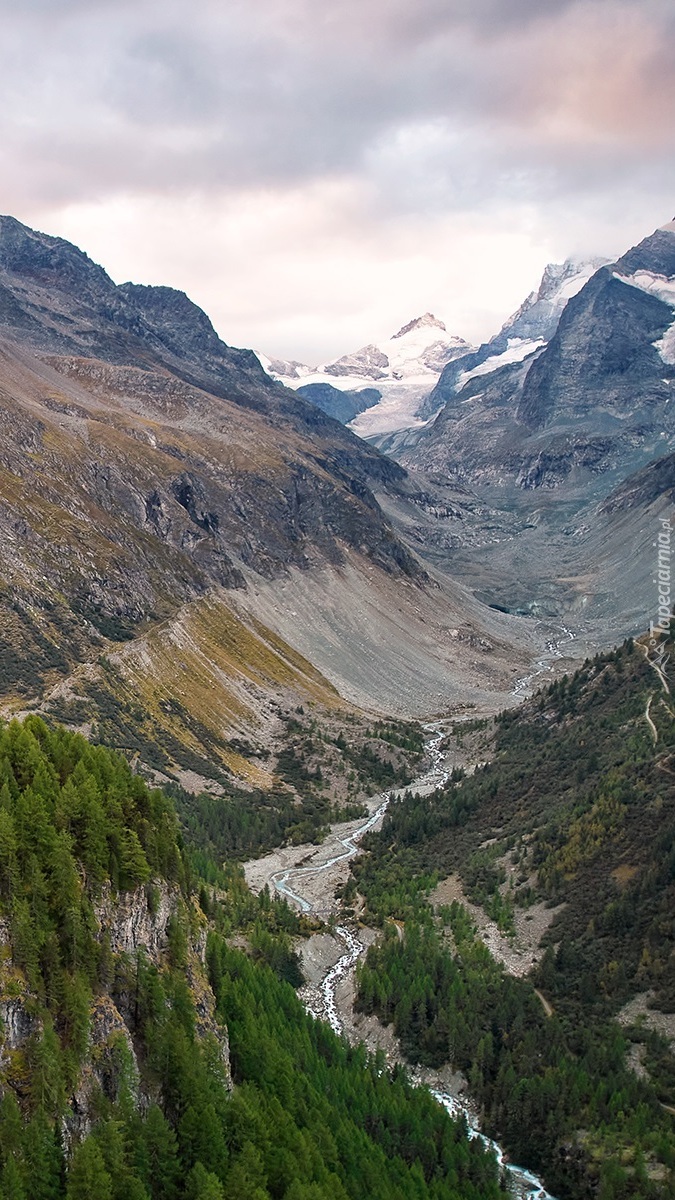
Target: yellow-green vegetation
x,y
183,703
199,678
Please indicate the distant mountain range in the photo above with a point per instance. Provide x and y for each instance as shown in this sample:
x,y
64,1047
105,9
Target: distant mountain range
x,y
399,384
384,381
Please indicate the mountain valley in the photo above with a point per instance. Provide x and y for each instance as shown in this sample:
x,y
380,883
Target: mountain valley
x,y
311,713
157,485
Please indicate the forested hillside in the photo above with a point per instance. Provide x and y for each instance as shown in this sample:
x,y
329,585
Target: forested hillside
x,y
118,990
577,809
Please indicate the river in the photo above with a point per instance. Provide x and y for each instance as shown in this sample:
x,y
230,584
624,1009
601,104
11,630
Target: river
x,y
288,882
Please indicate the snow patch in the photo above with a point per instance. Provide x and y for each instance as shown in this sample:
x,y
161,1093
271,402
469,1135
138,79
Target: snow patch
x,y
396,410
661,286
517,350
666,346
571,287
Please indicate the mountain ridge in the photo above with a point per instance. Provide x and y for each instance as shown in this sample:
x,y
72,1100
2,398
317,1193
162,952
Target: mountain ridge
x,y
151,477
528,328
543,445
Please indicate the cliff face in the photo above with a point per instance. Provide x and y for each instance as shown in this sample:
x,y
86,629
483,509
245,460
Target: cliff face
x,y
130,924
603,358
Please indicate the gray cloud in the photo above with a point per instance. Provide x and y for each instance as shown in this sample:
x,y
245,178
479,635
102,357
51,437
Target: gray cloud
x,y
428,107
164,94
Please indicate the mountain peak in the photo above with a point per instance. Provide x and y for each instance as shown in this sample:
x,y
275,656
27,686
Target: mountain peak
x,y
49,261
427,321
573,271
655,253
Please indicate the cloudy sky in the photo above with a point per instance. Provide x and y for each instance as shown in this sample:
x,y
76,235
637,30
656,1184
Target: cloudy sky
x,y
315,174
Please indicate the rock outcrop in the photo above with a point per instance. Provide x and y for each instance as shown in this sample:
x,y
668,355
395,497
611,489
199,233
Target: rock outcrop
x,y
129,923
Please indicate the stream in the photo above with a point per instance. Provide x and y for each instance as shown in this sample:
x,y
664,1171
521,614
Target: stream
x,y
522,1183
523,687
351,847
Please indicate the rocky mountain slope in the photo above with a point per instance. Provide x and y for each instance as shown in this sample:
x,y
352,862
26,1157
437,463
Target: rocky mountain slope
x,y
543,443
162,502
527,330
383,382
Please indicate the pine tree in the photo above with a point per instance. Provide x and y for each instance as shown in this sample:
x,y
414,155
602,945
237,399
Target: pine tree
x,y
203,1185
43,1159
11,1182
47,1083
161,1154
8,855
87,1176
11,1127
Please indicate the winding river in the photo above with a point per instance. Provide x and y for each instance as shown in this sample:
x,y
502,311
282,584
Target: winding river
x,y
288,883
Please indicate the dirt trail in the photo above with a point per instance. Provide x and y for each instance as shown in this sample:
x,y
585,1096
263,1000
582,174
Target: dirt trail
x,y
656,667
652,726
547,1007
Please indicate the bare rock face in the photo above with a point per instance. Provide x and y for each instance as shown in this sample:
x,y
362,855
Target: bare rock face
x,y
111,1068
133,923
207,1025
17,1024
602,358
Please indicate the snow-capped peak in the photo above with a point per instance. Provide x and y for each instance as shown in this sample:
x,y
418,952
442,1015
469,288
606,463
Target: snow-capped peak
x,y
403,368
539,314
415,355
425,322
